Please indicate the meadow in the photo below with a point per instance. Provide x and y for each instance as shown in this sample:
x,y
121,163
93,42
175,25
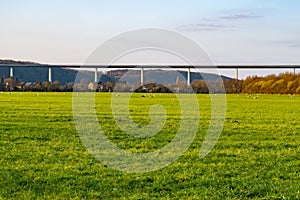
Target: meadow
x,y
256,157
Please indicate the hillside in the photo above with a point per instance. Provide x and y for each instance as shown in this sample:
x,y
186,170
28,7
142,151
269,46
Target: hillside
x,y
40,74
8,61
63,75
160,76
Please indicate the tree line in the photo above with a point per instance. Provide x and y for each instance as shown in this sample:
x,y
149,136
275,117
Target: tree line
x,y
285,83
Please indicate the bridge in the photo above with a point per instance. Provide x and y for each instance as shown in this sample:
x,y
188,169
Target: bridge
x,y
142,67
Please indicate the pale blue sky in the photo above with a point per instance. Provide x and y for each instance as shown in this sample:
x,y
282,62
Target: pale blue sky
x,y
231,31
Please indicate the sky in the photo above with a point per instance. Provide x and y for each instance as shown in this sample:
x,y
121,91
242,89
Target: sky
x,y
231,31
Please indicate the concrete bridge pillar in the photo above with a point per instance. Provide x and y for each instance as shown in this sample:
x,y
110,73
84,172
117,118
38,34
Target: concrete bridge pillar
x,y
96,75
50,74
236,73
142,76
11,72
189,77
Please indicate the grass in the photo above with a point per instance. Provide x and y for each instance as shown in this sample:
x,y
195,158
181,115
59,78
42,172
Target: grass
x,y
256,157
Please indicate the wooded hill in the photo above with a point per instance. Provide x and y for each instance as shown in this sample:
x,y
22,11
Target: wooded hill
x,y
64,76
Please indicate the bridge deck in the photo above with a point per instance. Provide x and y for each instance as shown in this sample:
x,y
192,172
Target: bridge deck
x,y
275,66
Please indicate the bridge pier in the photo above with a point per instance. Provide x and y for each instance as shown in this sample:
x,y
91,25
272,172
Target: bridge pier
x,y
50,74
294,71
11,72
142,76
189,77
96,75
236,73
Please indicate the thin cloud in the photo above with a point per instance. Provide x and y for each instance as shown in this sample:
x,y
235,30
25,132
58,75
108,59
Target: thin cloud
x,y
285,43
240,16
217,23
294,45
203,27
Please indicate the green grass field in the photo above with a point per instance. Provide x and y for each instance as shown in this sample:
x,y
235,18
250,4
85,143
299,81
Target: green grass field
x,y
257,155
